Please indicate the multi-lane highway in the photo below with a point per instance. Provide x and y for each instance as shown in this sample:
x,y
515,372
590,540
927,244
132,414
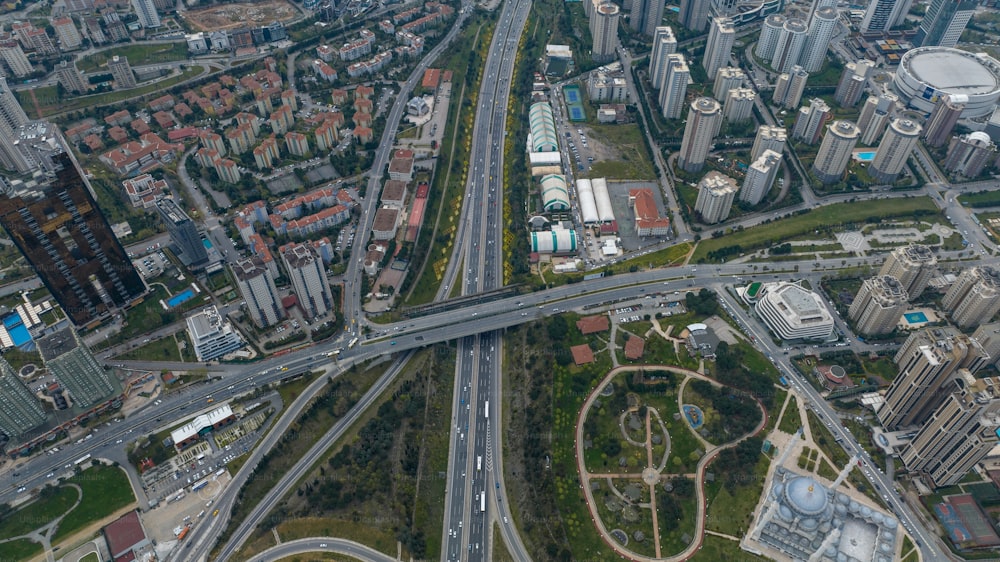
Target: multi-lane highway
x,y
474,491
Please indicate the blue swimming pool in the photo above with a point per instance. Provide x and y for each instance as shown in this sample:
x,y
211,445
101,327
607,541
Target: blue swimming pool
x,y
866,156
16,328
207,244
915,317
12,320
179,298
19,335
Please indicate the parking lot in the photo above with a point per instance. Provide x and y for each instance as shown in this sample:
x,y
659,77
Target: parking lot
x,y
151,265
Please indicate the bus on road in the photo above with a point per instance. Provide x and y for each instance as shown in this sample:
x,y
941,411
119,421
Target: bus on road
x,y
482,502
486,409
479,463
82,459
352,343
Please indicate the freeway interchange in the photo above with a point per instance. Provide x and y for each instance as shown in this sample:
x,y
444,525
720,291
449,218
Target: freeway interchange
x,y
475,466
449,325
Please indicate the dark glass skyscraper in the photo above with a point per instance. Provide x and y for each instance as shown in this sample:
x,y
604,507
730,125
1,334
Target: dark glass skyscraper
x,y
67,240
944,22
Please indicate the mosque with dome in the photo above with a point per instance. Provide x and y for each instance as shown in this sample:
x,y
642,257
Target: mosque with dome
x,y
803,519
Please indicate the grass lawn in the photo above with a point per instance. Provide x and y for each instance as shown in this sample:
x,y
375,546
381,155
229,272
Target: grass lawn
x,y
714,549
420,491
772,413
149,315
163,349
791,422
821,217
53,503
91,557
105,490
291,390
381,540
729,512
137,54
823,438
50,104
670,540
500,552
826,471
883,367
21,549
980,199
635,160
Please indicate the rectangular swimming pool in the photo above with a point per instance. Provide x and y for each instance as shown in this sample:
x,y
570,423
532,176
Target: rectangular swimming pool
x,y
866,156
179,298
915,317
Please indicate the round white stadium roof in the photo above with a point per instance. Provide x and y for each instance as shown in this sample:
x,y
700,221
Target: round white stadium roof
x,y
927,73
950,70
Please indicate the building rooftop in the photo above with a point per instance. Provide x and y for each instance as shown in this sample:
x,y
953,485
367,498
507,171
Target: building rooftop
x,y
593,324
57,344
124,533
249,268
299,255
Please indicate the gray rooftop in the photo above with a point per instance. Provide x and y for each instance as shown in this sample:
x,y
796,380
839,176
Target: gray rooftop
x,y
57,344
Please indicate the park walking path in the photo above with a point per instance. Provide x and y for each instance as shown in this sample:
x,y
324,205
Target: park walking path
x,y
651,475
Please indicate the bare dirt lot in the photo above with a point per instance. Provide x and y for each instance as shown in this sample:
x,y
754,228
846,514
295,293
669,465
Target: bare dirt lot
x,y
231,16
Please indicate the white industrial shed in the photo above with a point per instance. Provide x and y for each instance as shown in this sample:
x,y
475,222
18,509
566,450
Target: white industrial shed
x,y
555,241
588,207
603,199
543,128
555,195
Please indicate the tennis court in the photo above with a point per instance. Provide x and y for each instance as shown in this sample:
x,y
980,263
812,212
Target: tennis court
x,y
978,526
956,531
574,101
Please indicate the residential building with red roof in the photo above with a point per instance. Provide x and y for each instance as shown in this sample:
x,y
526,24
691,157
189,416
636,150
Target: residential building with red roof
x,y
183,110
121,117
93,142
182,133
164,119
162,103
143,188
228,170
139,126
363,105
593,324
326,136
432,77
143,155
648,221
325,53
582,354
118,134
296,143
324,71
364,135
362,119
